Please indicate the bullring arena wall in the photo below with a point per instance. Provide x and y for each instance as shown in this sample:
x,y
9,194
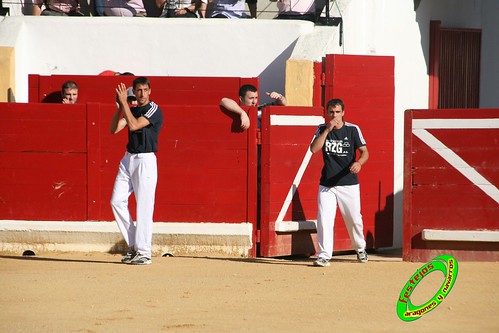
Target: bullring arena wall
x,y
60,162
451,200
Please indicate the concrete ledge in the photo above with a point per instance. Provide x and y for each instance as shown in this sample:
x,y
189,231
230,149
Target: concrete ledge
x,y
187,239
293,226
460,235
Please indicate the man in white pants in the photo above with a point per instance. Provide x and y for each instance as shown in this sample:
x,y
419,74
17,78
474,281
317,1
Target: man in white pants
x,y
138,171
339,185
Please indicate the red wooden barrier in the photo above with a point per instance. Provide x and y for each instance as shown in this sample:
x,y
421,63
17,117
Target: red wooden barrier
x,y
290,181
164,89
451,200
366,85
58,162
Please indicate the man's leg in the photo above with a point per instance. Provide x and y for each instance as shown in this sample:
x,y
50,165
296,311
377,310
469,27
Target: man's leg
x,y
144,179
325,221
349,204
119,203
252,5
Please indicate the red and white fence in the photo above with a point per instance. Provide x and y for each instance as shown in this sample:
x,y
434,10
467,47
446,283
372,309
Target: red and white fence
x,y
451,199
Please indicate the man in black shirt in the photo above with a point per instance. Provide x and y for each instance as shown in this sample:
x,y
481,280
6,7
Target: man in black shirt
x,y
338,140
138,171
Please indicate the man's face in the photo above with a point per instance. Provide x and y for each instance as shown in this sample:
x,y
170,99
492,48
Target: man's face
x,y
70,96
250,99
142,92
335,112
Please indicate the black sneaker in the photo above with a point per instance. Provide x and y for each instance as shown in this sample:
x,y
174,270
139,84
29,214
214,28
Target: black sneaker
x,y
129,256
362,256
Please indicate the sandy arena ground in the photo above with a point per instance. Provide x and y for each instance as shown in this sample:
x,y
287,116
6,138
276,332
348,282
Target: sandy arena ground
x,y
78,292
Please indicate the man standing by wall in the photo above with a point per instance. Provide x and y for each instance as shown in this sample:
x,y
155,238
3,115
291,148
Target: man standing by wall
x,y
339,185
138,171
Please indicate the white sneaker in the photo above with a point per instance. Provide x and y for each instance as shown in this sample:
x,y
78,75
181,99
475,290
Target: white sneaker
x,y
362,256
129,256
321,262
141,260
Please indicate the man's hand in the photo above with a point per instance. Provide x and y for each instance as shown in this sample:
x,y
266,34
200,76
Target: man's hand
x,y
332,124
274,95
280,99
245,122
121,94
355,167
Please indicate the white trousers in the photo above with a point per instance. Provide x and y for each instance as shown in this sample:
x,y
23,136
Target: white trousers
x,y
138,173
348,200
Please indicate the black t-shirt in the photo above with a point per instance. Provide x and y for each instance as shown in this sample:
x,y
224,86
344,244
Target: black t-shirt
x,y
338,154
145,140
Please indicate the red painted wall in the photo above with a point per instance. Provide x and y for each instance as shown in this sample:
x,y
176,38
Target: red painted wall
x,y
58,162
165,89
366,86
283,152
208,170
438,196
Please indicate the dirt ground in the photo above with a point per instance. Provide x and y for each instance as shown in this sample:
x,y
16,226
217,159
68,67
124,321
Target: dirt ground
x,y
78,292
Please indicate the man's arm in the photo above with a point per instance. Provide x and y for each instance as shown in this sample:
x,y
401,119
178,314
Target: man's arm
x,y
117,122
160,3
134,124
318,142
37,8
202,8
279,98
231,105
364,156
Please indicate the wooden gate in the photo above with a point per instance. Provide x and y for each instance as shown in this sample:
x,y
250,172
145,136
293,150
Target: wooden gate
x,y
290,174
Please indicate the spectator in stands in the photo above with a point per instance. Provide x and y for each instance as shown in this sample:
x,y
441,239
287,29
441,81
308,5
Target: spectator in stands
x,y
339,185
228,9
179,8
248,96
296,10
124,8
138,171
69,92
56,8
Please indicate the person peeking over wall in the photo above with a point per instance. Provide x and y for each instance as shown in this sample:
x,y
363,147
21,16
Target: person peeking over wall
x,y
69,92
248,96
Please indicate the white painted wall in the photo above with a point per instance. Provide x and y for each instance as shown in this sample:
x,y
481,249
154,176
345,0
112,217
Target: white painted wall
x,y
151,46
247,48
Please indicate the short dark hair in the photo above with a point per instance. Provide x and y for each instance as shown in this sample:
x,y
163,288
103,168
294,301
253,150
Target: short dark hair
x,y
69,85
142,81
334,102
245,88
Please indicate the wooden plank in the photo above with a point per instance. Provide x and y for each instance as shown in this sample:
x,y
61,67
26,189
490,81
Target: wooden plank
x,y
56,128
460,235
43,186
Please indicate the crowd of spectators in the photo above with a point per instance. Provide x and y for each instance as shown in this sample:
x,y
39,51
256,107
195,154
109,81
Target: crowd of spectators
x,y
233,9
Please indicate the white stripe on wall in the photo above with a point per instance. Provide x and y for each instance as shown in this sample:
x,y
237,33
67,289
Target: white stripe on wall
x,y
455,123
282,120
419,127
